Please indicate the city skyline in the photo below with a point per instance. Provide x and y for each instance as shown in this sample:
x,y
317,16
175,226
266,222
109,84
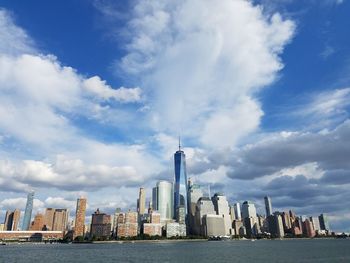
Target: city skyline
x,y
92,102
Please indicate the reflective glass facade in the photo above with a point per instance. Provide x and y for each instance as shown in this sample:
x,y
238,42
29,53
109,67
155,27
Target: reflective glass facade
x,y
28,212
181,190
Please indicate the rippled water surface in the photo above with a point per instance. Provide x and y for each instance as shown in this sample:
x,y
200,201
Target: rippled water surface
x,y
214,251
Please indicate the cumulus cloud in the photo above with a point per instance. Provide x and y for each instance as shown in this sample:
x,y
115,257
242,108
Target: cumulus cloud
x,y
13,40
99,88
200,69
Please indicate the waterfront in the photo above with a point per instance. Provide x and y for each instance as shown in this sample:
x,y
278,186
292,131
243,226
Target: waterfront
x,y
302,250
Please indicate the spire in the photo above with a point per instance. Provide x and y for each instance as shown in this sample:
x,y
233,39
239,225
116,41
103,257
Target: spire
x,y
179,143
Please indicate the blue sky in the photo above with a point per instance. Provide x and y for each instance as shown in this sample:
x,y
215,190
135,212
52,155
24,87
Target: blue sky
x,y
93,95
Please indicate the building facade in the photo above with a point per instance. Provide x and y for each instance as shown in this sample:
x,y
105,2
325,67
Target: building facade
x,y
180,188
80,217
28,211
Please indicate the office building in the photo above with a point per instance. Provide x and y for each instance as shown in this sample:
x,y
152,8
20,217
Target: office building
x,y
28,211
100,225
60,220
214,225
315,222
248,209
48,218
232,213
222,208
275,225
324,225
268,206
204,207
141,202
80,218
237,207
164,196
308,228
38,223
12,220
180,188
194,193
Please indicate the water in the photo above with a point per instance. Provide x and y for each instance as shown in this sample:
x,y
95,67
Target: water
x,y
226,251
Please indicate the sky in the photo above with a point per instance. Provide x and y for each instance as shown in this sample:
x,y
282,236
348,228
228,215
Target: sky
x,y
94,95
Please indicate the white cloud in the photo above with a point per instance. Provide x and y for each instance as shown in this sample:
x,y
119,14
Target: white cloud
x,y
199,67
13,40
99,88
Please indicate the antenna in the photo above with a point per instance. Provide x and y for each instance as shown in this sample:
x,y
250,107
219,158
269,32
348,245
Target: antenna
x,y
179,143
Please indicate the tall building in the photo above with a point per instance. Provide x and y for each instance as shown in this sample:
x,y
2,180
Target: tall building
x,y
60,220
237,207
268,206
164,200
141,203
324,225
100,225
308,228
38,223
315,222
275,225
194,193
232,213
127,225
248,209
48,218
80,217
204,207
12,220
214,225
28,212
115,218
222,208
180,189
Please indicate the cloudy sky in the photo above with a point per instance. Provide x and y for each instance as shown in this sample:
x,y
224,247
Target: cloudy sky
x,y
94,94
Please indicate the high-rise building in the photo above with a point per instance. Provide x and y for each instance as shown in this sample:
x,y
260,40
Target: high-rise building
x,y
100,225
194,193
232,213
180,214
127,224
275,225
214,225
237,207
60,220
141,204
222,208
180,189
204,207
115,218
154,198
164,200
315,222
80,217
248,209
28,211
268,206
38,223
324,225
12,220
308,228
48,218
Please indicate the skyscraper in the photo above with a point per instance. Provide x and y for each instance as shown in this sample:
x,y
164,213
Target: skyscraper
x,y
141,204
222,208
28,212
11,220
80,217
194,194
248,209
163,197
268,206
181,190
237,208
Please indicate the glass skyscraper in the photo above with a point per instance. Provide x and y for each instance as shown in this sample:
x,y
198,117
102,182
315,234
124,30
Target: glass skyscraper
x,y
28,212
181,190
